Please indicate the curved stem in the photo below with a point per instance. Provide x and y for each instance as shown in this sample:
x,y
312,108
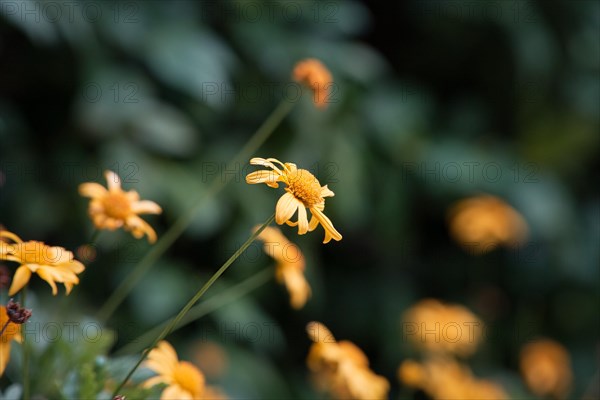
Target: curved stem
x,y
169,328
180,225
200,310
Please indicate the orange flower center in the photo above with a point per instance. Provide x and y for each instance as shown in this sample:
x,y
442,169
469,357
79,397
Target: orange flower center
x,y
305,187
117,205
187,376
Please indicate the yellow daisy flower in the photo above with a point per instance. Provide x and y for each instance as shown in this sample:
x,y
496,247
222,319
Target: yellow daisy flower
x,y
290,266
51,263
10,332
114,208
312,73
341,369
303,191
184,381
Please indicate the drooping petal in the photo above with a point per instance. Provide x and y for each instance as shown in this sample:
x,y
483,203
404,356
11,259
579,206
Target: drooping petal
x,y
312,225
22,276
46,275
302,220
139,227
264,176
92,189
286,207
330,231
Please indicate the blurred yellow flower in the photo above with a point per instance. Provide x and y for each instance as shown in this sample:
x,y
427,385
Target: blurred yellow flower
x,y
442,378
312,73
341,369
546,368
114,208
184,381
303,191
290,266
52,264
482,223
434,327
10,331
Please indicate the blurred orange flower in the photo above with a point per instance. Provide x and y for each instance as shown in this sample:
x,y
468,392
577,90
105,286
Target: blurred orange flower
x,y
439,328
482,223
52,264
303,191
10,332
184,381
445,379
290,266
546,368
114,208
341,369
312,73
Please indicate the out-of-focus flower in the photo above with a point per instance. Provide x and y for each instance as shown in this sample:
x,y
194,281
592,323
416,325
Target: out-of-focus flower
x,y
51,263
114,208
341,369
290,266
303,191
184,381
210,357
10,331
482,223
546,368
312,73
445,379
438,328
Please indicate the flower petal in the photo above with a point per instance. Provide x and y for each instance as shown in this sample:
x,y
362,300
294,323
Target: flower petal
x,y
313,224
139,227
330,231
4,356
264,176
112,181
11,236
266,163
22,276
175,392
47,275
145,207
326,192
92,189
286,207
302,220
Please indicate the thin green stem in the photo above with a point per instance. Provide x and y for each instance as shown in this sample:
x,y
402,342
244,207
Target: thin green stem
x,y
169,328
94,237
25,352
217,301
181,224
